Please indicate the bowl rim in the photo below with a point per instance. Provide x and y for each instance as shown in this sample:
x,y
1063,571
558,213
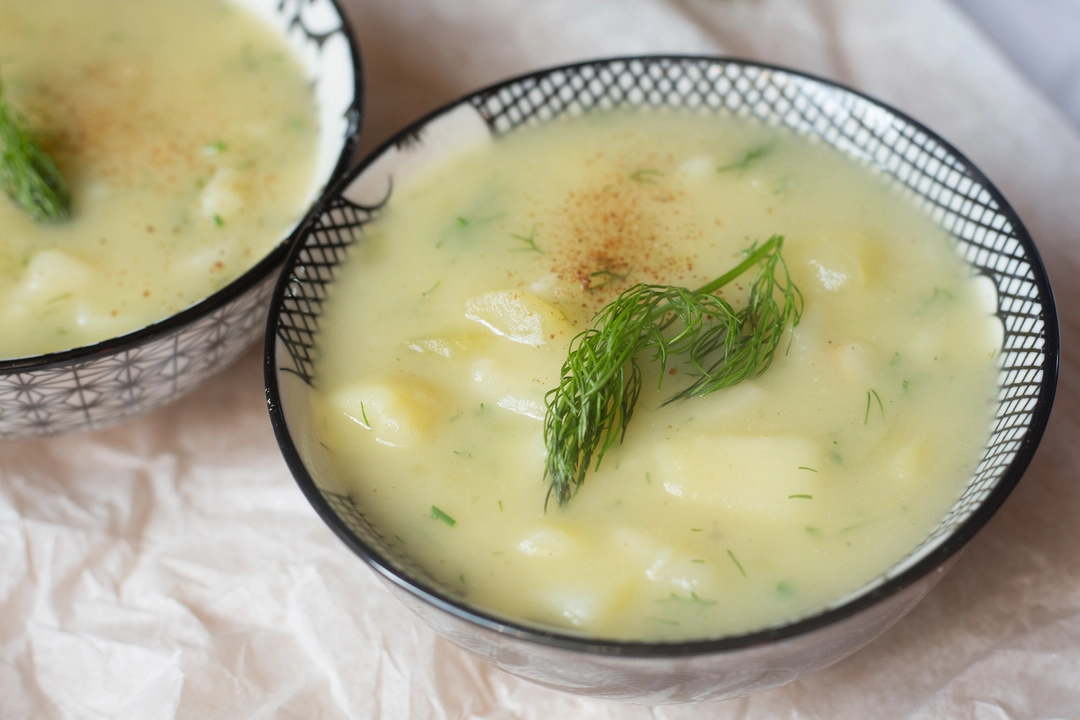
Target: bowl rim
x,y
819,619
238,286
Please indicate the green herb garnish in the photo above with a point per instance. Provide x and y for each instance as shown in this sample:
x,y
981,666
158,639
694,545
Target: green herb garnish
x,y
873,392
27,174
801,497
752,155
601,378
645,175
737,563
530,242
438,514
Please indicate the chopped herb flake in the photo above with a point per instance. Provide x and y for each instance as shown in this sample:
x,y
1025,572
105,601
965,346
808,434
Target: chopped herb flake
x,y
692,598
737,563
871,394
801,497
529,241
645,175
438,514
427,293
752,155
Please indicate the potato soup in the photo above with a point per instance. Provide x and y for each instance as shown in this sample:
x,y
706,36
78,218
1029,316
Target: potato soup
x,y
186,132
746,508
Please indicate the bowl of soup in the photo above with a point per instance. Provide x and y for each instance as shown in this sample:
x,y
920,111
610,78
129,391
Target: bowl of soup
x,y
193,138
661,379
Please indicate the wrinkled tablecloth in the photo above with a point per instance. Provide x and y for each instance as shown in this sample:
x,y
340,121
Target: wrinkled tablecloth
x,y
170,567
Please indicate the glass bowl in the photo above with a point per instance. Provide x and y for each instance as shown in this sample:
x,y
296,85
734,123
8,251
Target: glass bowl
x,y
988,234
97,385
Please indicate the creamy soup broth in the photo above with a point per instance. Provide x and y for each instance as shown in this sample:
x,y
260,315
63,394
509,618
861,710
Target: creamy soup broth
x,y
746,508
186,132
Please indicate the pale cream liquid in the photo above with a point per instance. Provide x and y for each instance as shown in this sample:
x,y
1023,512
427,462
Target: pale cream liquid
x,y
186,132
743,509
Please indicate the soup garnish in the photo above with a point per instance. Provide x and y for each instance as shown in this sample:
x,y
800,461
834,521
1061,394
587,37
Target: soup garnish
x,y
27,174
601,378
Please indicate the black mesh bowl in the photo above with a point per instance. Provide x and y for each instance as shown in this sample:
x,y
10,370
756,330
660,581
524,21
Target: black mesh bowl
x,y
988,234
92,387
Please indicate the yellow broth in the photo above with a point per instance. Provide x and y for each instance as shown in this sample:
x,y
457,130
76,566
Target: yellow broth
x,y
187,135
743,509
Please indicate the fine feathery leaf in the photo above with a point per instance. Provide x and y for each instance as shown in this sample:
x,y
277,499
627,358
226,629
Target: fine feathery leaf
x,y
27,174
601,378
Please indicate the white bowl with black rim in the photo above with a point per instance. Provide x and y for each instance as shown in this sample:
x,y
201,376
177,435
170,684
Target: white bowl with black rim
x,y
98,385
989,237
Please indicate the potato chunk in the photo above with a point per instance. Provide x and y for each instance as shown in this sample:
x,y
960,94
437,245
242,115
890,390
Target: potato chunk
x,y
397,412
450,345
54,272
842,262
517,316
755,475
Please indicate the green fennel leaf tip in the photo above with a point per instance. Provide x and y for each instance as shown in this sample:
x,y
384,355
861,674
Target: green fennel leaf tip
x,y
601,378
27,174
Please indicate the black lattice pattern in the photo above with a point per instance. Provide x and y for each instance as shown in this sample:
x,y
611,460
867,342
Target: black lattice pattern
x,y
325,246
112,387
956,196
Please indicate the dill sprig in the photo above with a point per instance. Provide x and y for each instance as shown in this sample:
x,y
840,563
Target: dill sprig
x,y
601,377
27,174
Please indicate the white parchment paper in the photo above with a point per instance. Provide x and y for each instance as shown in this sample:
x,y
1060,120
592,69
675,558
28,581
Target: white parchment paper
x,y
170,568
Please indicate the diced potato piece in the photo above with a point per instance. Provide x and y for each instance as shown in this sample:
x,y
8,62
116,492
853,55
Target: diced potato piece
x,y
671,570
97,321
517,316
398,413
842,262
912,463
548,542
222,196
699,166
48,285
851,363
452,344
513,390
756,475
583,603
52,273
571,592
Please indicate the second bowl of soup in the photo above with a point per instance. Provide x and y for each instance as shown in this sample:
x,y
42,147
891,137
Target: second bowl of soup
x,y
193,139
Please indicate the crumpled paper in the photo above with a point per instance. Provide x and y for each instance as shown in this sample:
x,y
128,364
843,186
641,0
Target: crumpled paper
x,y
170,567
